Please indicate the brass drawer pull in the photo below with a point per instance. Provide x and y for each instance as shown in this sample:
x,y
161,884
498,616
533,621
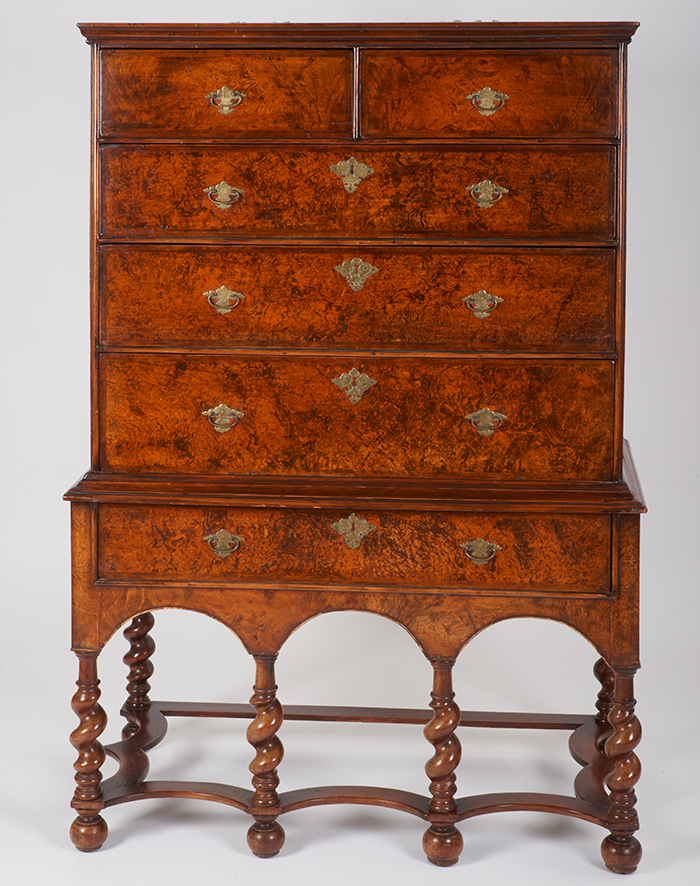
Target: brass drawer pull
x,y
223,544
481,303
224,195
225,99
356,271
486,421
223,299
354,383
222,418
480,551
351,171
353,529
487,193
487,101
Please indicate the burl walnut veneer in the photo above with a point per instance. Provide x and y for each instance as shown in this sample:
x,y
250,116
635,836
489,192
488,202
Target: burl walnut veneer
x,y
357,313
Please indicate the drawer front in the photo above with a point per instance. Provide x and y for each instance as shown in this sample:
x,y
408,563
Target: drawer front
x,y
565,554
552,193
491,94
358,297
356,416
223,93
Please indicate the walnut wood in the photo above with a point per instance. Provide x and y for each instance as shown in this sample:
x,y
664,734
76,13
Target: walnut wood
x,y
554,487
556,192
89,830
621,851
554,300
265,836
297,421
539,553
294,94
423,93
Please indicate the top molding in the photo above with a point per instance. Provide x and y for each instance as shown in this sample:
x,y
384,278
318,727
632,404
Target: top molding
x,y
384,34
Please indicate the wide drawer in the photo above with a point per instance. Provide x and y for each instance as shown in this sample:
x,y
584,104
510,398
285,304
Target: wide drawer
x,y
522,192
358,297
355,416
403,550
489,94
450,550
225,93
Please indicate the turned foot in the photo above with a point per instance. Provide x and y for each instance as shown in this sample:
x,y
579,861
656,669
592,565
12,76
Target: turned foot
x,y
442,845
621,854
88,832
265,838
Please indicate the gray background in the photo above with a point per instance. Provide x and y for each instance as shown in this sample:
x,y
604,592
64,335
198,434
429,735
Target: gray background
x,y
518,665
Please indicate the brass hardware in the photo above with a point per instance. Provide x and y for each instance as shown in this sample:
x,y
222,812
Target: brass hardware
x,y
223,299
485,421
481,303
486,193
224,195
487,101
353,529
480,551
222,418
354,383
223,544
225,99
352,172
356,271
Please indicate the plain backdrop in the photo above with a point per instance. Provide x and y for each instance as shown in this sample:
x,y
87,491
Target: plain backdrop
x,y
344,658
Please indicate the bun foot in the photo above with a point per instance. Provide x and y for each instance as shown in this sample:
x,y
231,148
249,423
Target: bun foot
x,y
442,845
88,832
621,854
265,838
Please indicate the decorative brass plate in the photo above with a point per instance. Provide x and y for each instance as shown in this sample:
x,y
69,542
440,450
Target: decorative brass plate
x,y
353,529
222,418
352,172
354,383
487,193
481,303
356,271
225,99
485,421
480,551
223,543
223,299
487,101
224,195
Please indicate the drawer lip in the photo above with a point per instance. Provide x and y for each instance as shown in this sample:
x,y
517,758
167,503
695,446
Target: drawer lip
x,y
174,102
398,308
420,550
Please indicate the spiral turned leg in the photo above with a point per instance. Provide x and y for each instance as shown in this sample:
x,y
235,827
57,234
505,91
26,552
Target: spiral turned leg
x,y
442,842
606,677
89,830
266,836
621,850
137,659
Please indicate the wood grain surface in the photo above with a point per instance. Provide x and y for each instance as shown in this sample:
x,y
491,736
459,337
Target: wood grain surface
x,y
553,300
554,192
424,93
412,421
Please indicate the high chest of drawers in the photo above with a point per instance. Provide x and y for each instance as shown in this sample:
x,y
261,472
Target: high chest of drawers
x,y
357,317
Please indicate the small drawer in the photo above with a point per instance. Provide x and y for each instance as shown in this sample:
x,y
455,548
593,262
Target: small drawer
x,y
356,416
478,299
567,554
225,93
489,94
451,191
